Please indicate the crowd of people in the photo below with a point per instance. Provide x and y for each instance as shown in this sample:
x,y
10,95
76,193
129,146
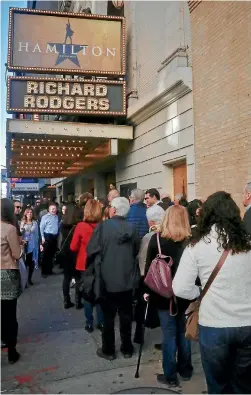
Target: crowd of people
x,y
108,247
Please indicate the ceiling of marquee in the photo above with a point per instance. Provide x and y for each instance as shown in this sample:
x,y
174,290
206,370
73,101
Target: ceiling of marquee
x,y
43,156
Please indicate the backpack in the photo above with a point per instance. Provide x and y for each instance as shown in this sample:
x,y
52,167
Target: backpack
x,y
159,276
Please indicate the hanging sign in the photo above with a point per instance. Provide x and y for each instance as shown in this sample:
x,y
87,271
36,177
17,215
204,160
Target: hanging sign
x,y
71,96
60,42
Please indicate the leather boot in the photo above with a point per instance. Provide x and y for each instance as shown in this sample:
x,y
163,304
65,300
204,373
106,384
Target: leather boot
x,y
68,303
31,270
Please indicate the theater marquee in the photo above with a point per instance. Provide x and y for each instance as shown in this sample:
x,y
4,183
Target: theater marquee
x,y
59,42
66,96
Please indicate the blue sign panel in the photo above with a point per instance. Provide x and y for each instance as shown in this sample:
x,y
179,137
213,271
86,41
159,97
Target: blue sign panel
x,y
23,180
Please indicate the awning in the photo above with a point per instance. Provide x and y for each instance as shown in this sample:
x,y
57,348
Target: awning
x,y
49,149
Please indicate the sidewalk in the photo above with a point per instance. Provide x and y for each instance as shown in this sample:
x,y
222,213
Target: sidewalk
x,y
59,356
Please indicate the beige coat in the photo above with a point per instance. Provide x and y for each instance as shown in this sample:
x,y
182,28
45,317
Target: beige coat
x,y
10,247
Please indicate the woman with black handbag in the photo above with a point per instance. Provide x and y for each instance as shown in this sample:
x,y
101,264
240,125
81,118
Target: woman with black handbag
x,y
65,257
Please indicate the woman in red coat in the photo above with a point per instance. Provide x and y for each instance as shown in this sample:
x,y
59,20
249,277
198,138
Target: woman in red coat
x,y
81,237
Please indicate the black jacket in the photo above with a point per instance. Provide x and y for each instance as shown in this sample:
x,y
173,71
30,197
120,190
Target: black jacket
x,y
67,256
169,248
118,247
247,220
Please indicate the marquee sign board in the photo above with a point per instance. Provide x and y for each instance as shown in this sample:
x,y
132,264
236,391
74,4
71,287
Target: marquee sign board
x,y
66,43
66,96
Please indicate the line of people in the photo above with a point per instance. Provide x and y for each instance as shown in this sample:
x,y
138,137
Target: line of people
x,y
112,248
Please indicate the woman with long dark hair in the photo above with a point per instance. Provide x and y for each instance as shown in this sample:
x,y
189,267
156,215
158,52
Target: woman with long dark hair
x,y
29,230
70,219
225,311
176,349
10,278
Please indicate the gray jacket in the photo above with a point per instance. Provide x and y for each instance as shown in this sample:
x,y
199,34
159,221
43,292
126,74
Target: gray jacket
x,y
118,248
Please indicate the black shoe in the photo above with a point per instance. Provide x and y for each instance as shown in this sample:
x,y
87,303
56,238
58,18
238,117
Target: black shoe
x,y
185,378
79,306
13,356
30,282
158,346
163,380
89,328
44,275
68,304
127,355
100,327
100,354
3,344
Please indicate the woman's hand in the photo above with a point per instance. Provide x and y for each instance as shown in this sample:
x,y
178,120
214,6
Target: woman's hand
x,y
146,297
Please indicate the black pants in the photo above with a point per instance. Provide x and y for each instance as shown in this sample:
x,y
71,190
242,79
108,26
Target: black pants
x,y
29,265
120,302
50,249
9,325
78,294
68,276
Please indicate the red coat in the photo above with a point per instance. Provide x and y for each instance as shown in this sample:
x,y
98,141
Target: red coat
x,y
81,237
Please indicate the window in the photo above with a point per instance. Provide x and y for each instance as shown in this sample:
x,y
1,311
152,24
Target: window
x,y
126,189
113,10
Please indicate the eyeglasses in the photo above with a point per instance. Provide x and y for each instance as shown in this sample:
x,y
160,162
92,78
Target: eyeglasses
x,y
17,206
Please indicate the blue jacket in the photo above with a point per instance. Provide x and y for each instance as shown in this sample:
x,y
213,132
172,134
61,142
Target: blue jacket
x,y
137,215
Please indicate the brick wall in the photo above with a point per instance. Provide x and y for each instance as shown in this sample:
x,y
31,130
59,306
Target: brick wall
x,y
221,42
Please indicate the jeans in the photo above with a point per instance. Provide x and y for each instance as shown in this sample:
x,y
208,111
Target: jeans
x,y
88,308
174,342
9,325
226,359
114,302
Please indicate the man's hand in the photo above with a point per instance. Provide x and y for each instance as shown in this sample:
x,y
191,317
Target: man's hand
x,y
146,297
41,248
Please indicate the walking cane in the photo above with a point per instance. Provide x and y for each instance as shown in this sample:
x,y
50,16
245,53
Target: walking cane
x,y
142,343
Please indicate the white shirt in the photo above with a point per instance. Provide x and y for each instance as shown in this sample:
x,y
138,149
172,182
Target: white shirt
x,y
227,303
248,207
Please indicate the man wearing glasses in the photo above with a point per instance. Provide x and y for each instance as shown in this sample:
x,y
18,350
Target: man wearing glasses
x,y
17,212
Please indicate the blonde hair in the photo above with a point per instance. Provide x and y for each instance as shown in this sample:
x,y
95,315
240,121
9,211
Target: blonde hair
x,y
92,211
175,225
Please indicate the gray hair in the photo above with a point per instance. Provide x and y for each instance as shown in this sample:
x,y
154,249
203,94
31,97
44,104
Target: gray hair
x,y
155,214
138,195
178,196
121,205
248,187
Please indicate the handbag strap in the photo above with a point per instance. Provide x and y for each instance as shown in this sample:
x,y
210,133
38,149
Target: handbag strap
x,y
158,242
214,274
67,237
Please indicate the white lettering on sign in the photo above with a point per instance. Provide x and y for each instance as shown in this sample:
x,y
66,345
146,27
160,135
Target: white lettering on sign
x,y
53,95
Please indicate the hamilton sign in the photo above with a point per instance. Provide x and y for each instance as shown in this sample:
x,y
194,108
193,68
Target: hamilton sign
x,y
66,42
66,96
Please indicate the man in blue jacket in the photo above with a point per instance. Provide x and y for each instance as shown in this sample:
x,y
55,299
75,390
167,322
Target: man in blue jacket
x,y
137,212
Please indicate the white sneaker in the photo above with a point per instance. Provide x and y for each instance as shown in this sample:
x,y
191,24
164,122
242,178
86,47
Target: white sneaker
x,y
73,282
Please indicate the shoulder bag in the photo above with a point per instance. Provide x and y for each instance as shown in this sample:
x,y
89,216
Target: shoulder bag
x,y
192,323
59,254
